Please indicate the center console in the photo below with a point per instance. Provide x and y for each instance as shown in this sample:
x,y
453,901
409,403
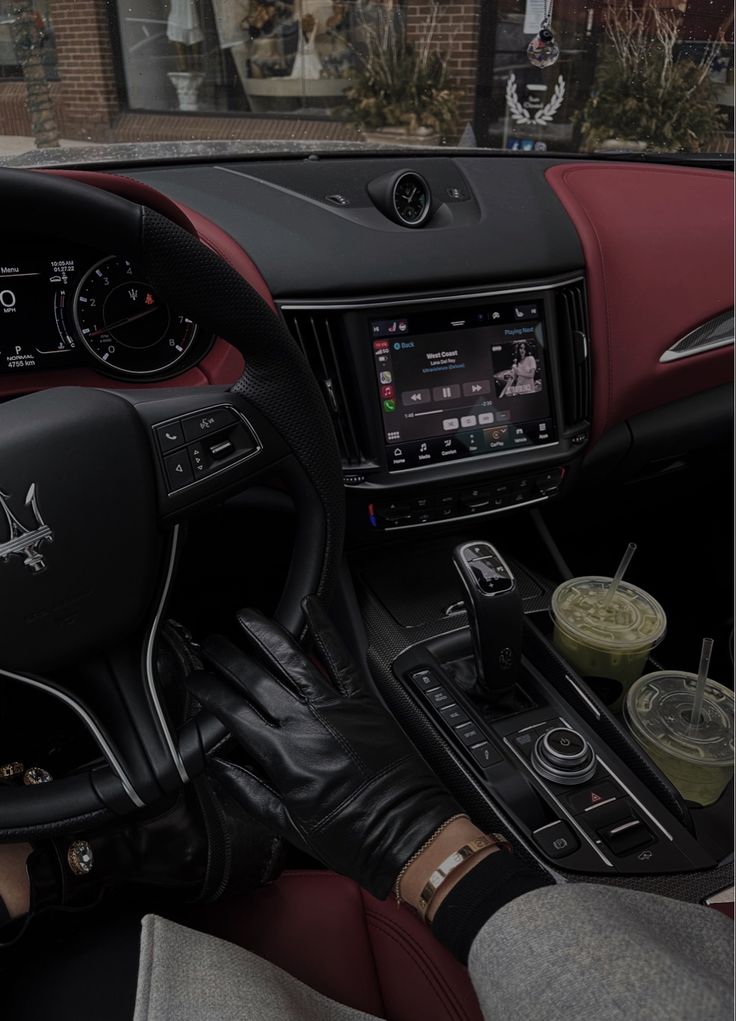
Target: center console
x,y
522,741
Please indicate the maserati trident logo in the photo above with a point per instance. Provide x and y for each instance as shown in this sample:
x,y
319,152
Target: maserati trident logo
x,y
23,541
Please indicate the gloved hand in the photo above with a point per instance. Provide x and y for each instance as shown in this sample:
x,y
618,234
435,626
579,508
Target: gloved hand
x,y
333,772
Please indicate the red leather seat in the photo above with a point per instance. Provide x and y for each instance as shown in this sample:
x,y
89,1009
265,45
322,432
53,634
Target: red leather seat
x,y
369,954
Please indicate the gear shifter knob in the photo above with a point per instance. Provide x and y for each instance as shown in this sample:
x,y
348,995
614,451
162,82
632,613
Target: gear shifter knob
x,y
495,613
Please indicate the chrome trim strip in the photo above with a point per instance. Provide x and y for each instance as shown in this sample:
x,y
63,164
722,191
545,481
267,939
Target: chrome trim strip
x,y
600,804
91,726
634,798
480,457
724,896
326,306
671,355
590,704
150,645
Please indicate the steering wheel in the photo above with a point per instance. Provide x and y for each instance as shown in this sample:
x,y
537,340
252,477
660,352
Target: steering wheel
x,y
94,507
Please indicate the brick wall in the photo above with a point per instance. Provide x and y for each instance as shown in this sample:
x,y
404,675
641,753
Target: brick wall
x,y
458,37
14,116
86,68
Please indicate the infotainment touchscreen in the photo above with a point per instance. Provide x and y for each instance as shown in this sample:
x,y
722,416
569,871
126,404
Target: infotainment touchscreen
x,y
457,383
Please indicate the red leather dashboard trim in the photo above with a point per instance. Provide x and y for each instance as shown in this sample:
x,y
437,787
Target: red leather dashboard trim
x,y
658,245
223,364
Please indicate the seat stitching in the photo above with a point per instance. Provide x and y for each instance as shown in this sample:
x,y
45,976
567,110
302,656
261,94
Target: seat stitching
x,y
421,959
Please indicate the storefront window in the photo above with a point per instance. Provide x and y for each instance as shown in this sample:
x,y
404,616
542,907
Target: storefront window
x,y
627,76
11,44
253,56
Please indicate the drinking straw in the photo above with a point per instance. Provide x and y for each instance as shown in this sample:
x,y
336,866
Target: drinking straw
x,y
705,654
616,580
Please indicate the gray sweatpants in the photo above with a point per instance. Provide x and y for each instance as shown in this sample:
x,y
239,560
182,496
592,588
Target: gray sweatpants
x,y
563,953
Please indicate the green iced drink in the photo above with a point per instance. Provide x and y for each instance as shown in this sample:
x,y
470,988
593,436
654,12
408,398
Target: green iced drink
x,y
606,637
697,757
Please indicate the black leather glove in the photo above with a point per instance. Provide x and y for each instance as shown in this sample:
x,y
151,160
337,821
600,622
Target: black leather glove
x,y
332,772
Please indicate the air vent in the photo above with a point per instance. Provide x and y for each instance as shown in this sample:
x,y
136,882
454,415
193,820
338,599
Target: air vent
x,y
318,333
574,353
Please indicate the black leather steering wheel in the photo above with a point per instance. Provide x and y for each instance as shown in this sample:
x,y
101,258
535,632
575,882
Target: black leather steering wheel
x,y
94,512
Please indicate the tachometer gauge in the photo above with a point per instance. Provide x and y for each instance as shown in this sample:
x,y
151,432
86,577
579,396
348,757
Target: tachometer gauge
x,y
124,323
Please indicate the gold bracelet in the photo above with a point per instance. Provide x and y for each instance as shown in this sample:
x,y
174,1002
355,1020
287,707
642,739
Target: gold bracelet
x,y
448,866
422,849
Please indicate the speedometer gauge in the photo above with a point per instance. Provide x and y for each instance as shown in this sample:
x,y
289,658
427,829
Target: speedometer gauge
x,y
125,324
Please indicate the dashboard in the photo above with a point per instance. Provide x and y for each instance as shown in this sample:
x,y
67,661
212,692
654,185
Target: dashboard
x,y
474,358
62,307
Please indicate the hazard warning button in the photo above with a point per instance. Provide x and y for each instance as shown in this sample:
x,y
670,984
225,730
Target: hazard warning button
x,y
593,796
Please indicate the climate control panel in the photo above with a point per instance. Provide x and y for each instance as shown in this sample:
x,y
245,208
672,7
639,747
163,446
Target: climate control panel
x,y
470,501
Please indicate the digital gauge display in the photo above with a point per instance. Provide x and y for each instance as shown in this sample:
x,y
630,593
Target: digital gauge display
x,y
33,330
67,307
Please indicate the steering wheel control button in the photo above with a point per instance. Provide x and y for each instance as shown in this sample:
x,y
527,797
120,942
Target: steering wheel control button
x,y
207,423
178,470
556,839
592,797
169,436
564,756
625,836
424,680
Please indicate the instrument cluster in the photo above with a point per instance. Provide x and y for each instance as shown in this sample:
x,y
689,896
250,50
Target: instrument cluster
x,y
64,307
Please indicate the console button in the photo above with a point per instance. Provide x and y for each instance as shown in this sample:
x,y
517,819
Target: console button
x,y
439,697
564,756
178,470
208,422
469,734
169,436
549,483
556,839
591,797
625,836
455,716
485,754
565,744
475,501
424,680
490,576
477,551
447,506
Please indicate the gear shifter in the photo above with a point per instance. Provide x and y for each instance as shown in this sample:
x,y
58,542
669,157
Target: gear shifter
x,y
495,614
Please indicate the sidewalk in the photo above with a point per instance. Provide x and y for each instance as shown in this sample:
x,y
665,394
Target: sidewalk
x,y
14,145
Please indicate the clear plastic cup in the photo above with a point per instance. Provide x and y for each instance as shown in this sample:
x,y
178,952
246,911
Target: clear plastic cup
x,y
697,758
606,639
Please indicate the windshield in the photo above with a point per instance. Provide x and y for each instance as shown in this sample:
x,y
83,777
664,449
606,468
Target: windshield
x,y
558,76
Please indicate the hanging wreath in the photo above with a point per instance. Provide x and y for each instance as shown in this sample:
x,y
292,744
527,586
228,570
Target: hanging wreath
x,y
544,115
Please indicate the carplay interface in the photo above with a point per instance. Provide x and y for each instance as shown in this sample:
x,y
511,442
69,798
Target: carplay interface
x,y
457,383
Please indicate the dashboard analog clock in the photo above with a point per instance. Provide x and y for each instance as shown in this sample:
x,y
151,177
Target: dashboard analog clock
x,y
124,323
